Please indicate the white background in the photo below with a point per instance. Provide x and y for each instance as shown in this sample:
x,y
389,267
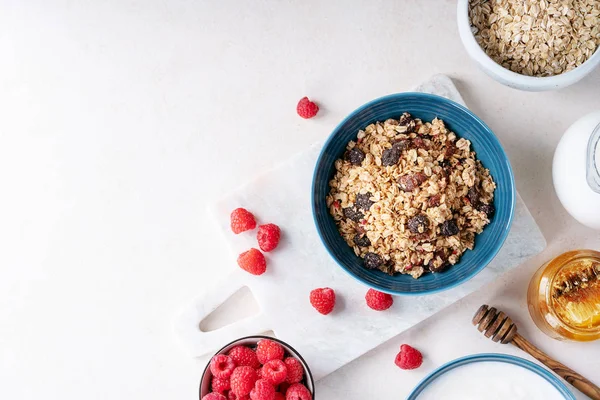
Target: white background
x,y
120,121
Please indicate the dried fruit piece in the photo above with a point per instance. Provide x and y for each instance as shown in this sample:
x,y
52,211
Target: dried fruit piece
x,y
449,228
267,350
361,240
242,220
418,224
405,119
323,300
295,370
363,201
419,143
222,366
244,356
391,156
253,261
268,236
372,260
353,214
409,357
450,149
378,301
473,196
306,108
438,263
488,209
242,380
434,201
355,156
410,182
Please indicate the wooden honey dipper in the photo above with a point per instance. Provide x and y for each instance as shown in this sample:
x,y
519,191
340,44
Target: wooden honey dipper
x,y
500,328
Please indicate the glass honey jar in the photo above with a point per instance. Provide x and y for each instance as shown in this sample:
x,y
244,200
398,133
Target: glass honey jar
x,y
564,296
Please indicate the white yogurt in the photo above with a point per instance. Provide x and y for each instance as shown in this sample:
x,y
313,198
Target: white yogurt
x,y
490,381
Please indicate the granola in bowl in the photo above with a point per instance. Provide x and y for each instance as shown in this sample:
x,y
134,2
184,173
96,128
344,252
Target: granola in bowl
x,y
409,196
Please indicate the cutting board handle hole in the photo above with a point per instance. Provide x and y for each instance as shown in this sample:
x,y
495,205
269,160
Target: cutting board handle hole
x,y
238,306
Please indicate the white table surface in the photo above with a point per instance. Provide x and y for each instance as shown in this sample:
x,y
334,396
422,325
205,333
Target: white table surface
x,y
121,120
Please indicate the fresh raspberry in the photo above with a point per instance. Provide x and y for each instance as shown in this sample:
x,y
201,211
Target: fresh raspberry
x,y
242,220
279,396
268,236
244,357
267,350
274,372
220,385
306,108
263,390
298,392
214,396
323,300
378,301
409,358
222,366
295,370
252,261
259,373
242,380
233,396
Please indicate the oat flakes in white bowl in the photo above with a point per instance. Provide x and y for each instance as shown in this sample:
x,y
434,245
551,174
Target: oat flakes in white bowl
x,y
532,45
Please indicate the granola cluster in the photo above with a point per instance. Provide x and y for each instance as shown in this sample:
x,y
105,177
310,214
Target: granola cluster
x,y
409,196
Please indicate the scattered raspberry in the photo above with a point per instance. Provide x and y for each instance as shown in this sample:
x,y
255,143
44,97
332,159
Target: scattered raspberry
x,y
242,220
268,350
252,261
409,358
220,385
306,108
214,396
323,300
274,372
222,366
242,380
268,236
279,396
244,357
263,390
298,392
295,370
259,373
378,301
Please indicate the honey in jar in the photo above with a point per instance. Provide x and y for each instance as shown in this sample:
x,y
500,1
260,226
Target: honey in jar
x,y
564,296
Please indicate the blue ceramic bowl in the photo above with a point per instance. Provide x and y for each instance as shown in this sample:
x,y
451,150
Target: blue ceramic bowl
x,y
492,357
465,124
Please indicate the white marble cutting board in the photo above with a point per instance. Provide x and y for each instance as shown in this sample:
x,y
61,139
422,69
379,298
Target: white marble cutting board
x,y
300,264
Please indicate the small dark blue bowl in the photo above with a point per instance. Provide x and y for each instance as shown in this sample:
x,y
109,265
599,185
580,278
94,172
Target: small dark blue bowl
x,y
465,124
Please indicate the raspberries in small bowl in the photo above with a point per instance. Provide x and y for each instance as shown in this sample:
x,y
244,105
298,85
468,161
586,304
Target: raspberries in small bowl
x,y
257,368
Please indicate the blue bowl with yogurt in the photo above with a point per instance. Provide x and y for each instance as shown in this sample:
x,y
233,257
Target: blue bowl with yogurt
x,y
484,375
466,125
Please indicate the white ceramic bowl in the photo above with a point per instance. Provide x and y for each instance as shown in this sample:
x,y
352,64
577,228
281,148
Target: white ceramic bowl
x,y
512,79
